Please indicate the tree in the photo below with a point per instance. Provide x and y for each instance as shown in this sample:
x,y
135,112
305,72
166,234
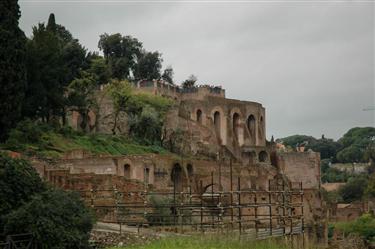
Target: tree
x,y
121,94
354,143
327,148
54,59
46,74
18,183
147,126
370,190
354,189
99,69
148,66
57,219
190,82
12,66
168,75
121,54
81,96
294,140
73,56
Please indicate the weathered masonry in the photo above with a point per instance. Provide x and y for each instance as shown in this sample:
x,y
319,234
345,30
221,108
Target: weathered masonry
x,y
222,139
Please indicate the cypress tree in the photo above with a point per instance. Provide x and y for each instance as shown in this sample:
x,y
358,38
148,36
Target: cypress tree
x,y
12,66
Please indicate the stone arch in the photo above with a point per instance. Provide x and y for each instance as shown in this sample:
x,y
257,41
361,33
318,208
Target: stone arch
x,y
261,129
199,116
127,171
251,124
178,177
219,124
263,156
217,121
237,126
146,175
190,170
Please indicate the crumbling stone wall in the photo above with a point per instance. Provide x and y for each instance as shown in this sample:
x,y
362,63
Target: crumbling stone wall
x,y
305,167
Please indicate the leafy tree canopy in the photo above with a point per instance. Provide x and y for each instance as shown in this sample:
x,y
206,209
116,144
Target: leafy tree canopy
x,y
168,75
327,147
148,66
18,183
355,143
81,96
12,66
54,59
121,54
56,218
354,189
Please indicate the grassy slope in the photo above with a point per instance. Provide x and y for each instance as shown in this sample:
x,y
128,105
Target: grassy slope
x,y
51,143
207,243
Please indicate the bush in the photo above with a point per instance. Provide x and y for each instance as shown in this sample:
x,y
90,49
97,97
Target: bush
x,y
57,219
354,189
26,133
364,226
334,175
18,183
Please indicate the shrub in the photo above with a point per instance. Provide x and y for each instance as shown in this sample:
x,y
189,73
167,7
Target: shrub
x,y
364,226
57,219
27,132
18,183
354,189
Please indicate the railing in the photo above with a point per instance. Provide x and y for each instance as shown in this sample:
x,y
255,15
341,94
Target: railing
x,y
277,211
19,241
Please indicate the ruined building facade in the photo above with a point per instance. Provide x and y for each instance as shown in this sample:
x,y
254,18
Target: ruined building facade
x,y
222,139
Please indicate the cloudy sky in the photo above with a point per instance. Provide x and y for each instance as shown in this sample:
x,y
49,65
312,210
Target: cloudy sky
x,y
310,63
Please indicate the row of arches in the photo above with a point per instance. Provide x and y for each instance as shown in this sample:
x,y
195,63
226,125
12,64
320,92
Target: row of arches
x,y
237,126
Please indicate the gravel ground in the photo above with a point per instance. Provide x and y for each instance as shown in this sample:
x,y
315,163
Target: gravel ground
x,y
102,239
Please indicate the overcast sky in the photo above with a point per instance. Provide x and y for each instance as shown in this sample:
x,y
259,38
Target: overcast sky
x,y
311,64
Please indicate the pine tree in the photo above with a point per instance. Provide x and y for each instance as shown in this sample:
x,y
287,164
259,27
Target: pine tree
x,y
12,66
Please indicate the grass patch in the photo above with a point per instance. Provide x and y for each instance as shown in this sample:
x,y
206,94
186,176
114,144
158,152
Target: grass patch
x,y
45,141
208,242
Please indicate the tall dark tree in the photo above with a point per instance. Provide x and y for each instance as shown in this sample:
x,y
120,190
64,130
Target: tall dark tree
x,y
121,54
12,66
46,73
168,75
148,66
54,59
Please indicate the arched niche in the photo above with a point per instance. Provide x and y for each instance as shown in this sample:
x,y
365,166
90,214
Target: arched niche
x,y
251,124
199,115
146,175
263,156
261,129
236,124
219,124
178,177
127,171
190,170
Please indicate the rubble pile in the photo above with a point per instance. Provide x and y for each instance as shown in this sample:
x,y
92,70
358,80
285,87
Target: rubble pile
x,y
101,239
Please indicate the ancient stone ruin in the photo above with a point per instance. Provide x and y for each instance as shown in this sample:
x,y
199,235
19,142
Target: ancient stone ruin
x,y
225,172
